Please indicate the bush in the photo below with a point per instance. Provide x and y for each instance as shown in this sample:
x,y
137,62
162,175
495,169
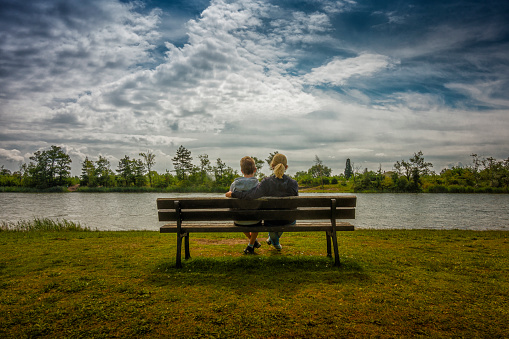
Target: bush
x,y
438,189
457,189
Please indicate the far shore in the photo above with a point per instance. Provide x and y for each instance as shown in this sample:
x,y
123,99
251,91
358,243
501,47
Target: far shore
x,y
333,189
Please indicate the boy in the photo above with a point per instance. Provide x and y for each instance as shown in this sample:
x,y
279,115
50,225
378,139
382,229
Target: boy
x,y
245,183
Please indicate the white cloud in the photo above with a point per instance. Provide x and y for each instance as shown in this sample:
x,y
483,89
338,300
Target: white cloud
x,y
229,70
491,93
71,49
11,155
339,71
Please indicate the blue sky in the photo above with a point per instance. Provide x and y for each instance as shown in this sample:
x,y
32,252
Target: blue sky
x,y
373,81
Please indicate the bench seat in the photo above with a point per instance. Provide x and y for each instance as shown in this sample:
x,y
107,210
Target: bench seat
x,y
230,228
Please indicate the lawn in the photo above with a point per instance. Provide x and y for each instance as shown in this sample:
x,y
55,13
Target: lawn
x,y
392,283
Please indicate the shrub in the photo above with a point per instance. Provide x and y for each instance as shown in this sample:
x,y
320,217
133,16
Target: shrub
x,y
438,189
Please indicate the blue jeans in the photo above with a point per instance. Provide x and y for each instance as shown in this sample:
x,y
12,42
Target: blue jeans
x,y
274,236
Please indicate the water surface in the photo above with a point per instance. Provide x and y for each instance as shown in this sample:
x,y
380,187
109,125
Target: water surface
x,y
137,211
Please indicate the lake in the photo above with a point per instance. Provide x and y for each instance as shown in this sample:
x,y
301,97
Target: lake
x,y
137,211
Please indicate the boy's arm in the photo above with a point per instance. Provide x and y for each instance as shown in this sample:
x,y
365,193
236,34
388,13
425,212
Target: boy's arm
x,y
254,193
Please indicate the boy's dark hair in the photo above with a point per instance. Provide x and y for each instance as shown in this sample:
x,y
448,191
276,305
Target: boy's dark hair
x,y
247,165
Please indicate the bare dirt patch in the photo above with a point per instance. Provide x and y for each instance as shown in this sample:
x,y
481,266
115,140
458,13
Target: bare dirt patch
x,y
220,241
73,188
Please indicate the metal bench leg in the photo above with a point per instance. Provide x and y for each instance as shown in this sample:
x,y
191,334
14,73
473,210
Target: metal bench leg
x,y
333,233
179,233
329,253
336,250
188,254
179,250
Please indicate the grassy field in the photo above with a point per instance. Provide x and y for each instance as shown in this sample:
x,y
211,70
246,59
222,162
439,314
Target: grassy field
x,y
392,283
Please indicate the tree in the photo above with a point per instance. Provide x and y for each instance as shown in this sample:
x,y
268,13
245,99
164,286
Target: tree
x,y
63,167
475,168
182,162
149,162
412,170
403,168
224,174
259,166
319,170
419,165
125,170
51,167
103,172
271,156
379,178
204,166
138,168
219,170
7,178
355,171
88,173
348,169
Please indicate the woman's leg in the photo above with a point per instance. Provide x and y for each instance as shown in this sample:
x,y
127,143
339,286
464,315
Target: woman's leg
x,y
274,238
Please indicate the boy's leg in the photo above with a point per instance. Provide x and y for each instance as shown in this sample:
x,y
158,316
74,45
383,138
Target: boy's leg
x,y
248,235
253,237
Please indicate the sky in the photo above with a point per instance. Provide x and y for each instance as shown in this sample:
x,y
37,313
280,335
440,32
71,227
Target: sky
x,y
372,81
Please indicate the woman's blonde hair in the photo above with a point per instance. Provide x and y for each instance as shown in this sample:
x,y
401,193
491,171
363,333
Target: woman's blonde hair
x,y
279,164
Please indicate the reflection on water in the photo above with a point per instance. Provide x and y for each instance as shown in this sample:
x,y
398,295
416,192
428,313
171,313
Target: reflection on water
x,y
137,211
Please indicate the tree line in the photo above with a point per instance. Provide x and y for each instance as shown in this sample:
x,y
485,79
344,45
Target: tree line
x,y
484,175
51,169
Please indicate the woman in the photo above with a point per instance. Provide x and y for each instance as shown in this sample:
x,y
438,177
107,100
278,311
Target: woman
x,y
277,185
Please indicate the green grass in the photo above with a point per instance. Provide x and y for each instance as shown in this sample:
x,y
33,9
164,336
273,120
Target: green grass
x,y
392,283
42,225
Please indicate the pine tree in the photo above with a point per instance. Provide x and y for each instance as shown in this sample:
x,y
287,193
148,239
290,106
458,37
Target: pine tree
x,y
348,169
88,173
182,162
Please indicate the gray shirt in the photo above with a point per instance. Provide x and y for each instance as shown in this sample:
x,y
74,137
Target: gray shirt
x,y
244,184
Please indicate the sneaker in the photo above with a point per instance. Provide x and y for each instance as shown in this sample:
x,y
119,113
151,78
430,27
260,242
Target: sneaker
x,y
278,247
257,244
269,242
249,250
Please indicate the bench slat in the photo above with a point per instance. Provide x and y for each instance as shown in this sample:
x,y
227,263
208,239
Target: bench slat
x,y
229,227
262,203
222,214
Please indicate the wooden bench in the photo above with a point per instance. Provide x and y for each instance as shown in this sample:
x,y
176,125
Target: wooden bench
x,y
188,215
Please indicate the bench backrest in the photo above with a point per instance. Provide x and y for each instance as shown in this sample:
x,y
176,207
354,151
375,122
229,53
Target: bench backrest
x,y
270,208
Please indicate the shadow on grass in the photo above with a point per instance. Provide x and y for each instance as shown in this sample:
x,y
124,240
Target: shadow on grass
x,y
271,272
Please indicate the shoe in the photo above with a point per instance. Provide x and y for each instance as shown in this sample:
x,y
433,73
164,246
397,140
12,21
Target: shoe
x,y
249,250
257,244
269,242
278,247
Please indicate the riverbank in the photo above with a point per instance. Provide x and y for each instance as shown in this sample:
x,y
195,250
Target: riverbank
x,y
130,189
392,283
333,189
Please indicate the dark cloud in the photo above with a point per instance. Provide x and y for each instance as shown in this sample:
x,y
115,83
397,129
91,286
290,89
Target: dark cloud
x,y
68,120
